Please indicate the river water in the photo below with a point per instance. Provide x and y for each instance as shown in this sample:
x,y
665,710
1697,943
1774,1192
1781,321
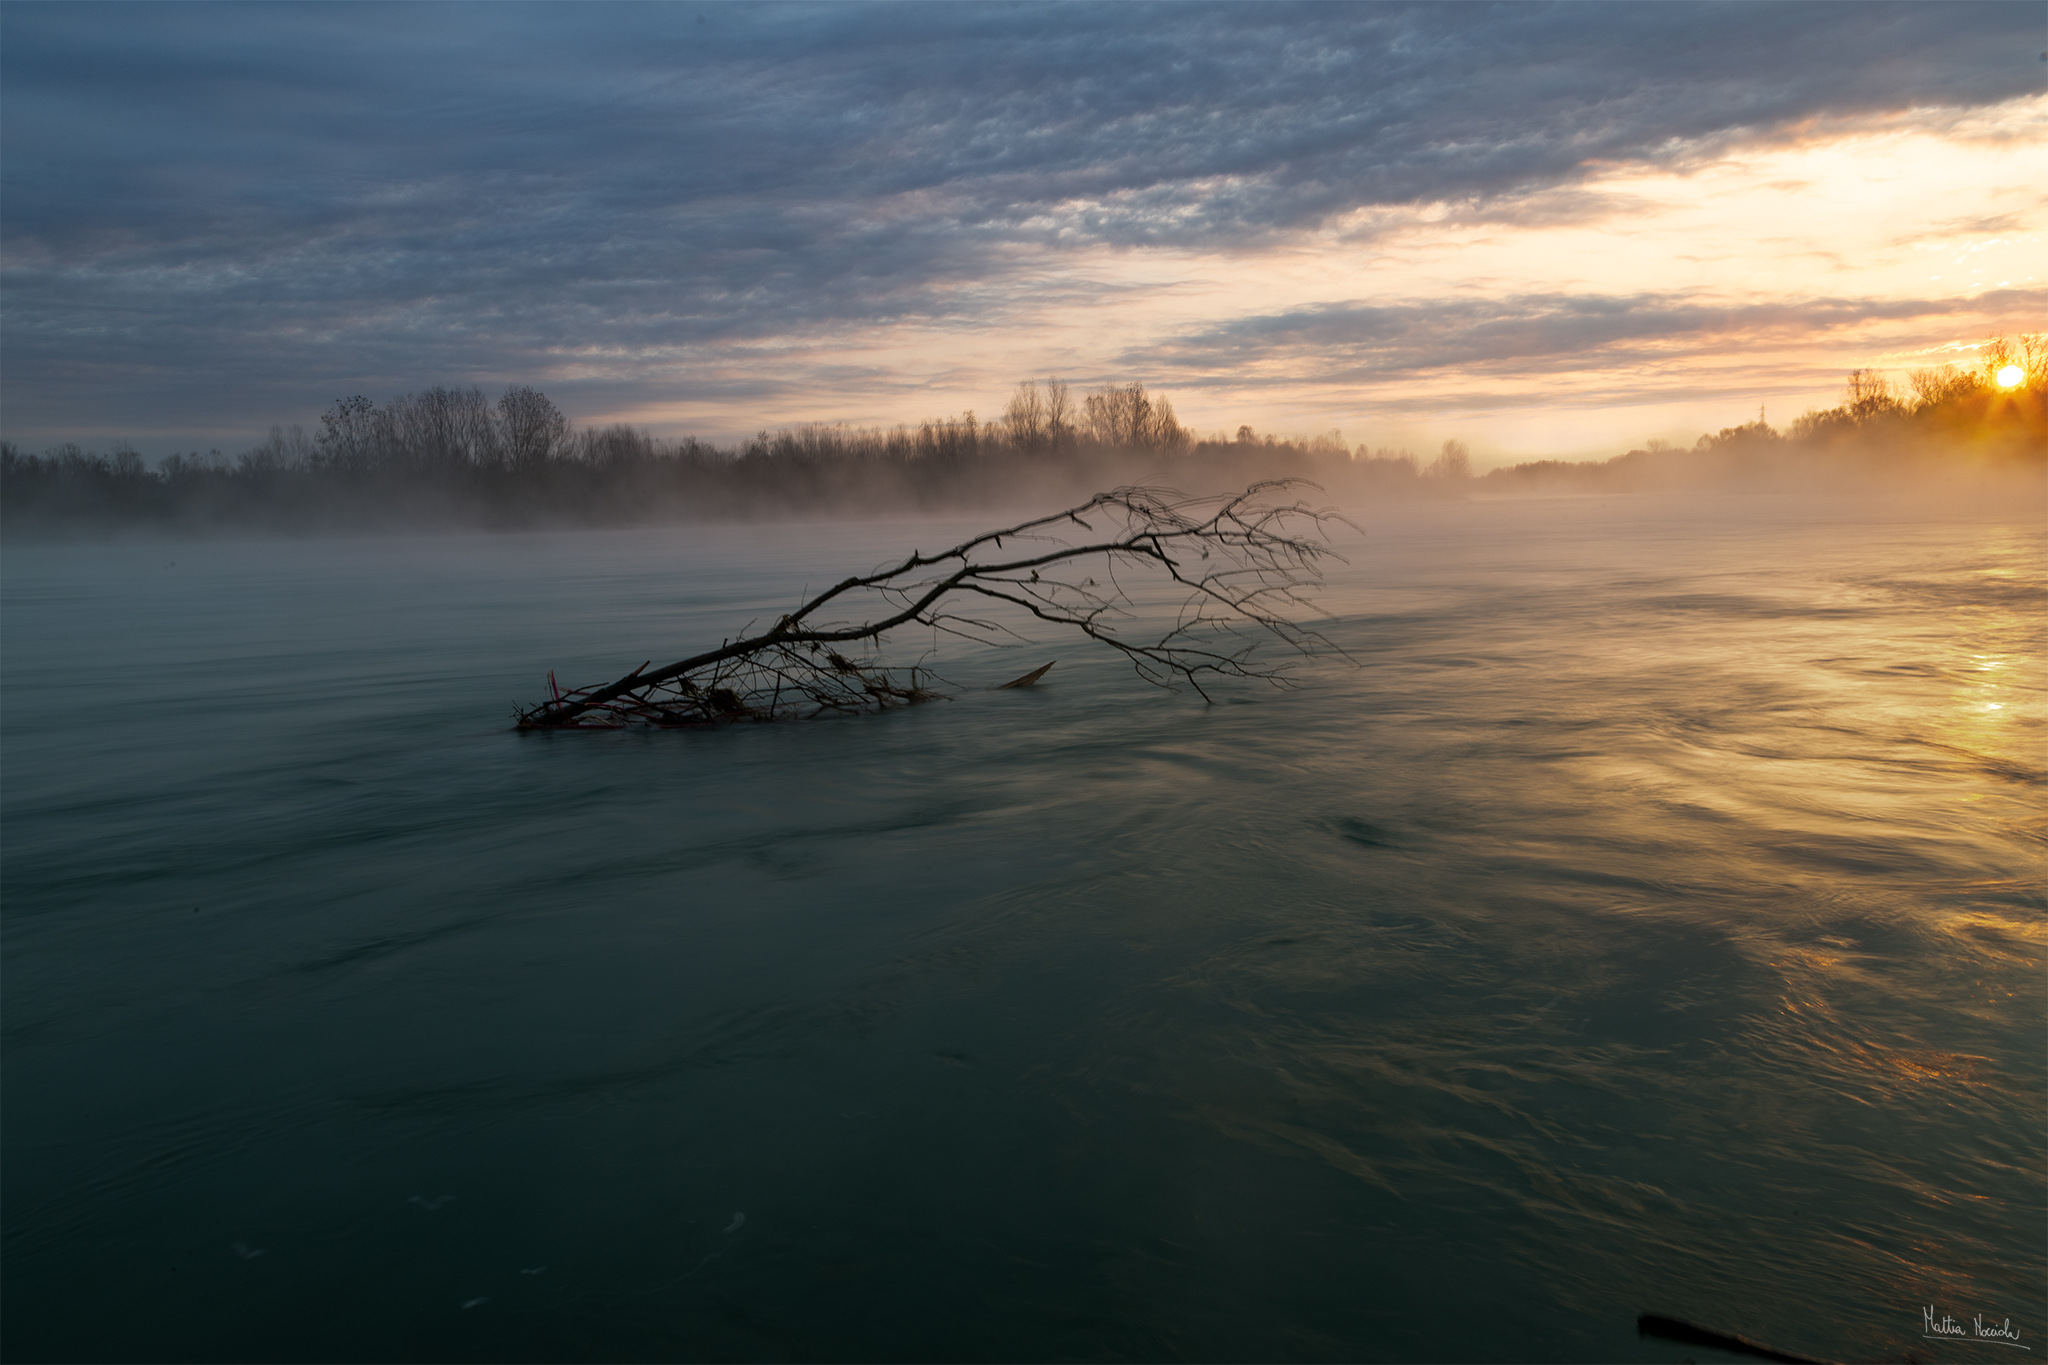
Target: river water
x,y
1646,917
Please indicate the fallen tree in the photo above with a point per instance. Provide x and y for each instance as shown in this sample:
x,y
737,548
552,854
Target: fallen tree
x,y
1243,563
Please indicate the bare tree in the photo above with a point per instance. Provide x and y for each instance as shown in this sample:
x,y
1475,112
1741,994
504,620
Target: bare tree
x,y
1868,396
350,433
1242,565
283,449
2027,351
1118,415
1059,415
1944,384
619,445
950,438
1125,417
1024,418
1453,463
531,429
438,429
1165,431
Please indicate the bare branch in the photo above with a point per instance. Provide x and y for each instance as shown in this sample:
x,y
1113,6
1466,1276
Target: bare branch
x,y
1242,564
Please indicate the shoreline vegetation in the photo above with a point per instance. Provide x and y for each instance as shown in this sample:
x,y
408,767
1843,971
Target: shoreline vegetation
x,y
447,457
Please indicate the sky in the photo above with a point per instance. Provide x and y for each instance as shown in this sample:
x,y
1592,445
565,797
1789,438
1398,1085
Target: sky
x,y
1546,230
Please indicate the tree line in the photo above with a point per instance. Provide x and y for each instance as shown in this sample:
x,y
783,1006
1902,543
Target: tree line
x,y
1987,420
445,456
452,456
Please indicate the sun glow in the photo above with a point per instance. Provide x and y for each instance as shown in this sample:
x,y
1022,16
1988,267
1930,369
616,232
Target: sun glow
x,y
2010,377
1835,226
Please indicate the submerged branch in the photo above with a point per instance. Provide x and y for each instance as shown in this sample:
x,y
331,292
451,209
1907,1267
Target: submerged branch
x,y
1242,565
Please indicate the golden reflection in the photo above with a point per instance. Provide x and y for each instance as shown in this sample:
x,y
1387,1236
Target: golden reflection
x,y
1990,696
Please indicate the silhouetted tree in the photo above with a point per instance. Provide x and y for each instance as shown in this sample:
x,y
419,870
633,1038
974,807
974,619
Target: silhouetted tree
x,y
1453,464
531,430
1059,415
1124,416
349,436
1024,418
443,429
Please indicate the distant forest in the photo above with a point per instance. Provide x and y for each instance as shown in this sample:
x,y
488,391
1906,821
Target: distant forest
x,y
449,456
1975,426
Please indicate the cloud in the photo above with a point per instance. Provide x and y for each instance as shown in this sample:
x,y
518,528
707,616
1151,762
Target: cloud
x,y
221,210
1531,334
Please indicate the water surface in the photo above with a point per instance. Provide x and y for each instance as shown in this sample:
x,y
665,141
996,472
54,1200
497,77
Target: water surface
x,y
1646,917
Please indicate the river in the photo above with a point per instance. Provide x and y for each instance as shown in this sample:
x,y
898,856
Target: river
x,y
1643,914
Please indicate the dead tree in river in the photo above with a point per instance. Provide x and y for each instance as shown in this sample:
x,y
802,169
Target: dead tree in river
x,y
1241,563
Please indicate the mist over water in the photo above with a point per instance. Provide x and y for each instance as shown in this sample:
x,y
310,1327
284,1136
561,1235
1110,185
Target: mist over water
x,y
1646,917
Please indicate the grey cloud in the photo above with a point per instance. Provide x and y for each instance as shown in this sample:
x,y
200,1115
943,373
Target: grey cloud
x,y
224,209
